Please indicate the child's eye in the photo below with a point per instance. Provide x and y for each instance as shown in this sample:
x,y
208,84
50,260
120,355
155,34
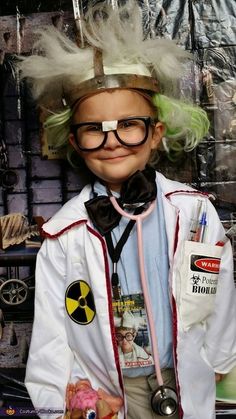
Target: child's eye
x,y
128,124
92,128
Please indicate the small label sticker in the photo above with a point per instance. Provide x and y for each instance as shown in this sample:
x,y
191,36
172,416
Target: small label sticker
x,y
109,125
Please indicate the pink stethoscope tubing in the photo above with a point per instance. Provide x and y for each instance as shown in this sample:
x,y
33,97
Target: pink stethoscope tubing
x,y
138,219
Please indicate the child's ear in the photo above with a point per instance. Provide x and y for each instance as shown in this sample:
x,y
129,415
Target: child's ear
x,y
157,135
73,143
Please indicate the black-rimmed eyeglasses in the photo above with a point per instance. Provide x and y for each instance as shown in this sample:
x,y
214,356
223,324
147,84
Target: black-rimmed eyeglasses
x,y
128,336
130,132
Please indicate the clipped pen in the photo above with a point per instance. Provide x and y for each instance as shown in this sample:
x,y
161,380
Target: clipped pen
x,y
195,220
199,236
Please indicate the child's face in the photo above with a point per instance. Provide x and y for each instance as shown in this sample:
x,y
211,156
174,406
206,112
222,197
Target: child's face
x,y
114,162
125,338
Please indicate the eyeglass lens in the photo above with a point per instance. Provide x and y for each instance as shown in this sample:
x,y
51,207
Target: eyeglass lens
x,y
128,336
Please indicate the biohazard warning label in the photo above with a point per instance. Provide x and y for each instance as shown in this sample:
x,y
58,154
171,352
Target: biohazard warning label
x,y
203,273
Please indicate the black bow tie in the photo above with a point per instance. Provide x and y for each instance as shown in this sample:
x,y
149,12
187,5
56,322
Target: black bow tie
x,y
139,189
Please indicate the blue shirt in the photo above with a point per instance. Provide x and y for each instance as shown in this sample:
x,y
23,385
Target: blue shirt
x,y
157,270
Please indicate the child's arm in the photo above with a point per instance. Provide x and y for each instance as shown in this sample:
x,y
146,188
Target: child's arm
x,y
50,358
220,342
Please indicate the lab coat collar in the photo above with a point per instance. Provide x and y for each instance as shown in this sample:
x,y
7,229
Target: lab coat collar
x,y
73,213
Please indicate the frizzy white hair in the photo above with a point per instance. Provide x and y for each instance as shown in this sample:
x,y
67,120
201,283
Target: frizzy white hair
x,y
119,35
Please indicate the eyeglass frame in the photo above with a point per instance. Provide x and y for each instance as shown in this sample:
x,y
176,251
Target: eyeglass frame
x,y
148,120
124,337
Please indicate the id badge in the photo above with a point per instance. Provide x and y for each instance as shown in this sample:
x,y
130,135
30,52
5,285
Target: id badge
x,y
132,334
198,277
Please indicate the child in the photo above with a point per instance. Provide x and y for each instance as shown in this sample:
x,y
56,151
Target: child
x,y
115,118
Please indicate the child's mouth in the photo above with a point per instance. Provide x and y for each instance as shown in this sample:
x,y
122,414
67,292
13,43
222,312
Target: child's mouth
x,y
115,157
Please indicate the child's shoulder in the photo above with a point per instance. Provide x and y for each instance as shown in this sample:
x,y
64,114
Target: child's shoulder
x,y
181,195
72,213
171,187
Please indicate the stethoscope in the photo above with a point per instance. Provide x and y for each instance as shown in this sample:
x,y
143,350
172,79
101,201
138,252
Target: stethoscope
x,y
164,399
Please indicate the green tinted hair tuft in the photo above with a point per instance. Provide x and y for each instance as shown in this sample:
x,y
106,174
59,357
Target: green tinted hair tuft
x,y
57,126
185,124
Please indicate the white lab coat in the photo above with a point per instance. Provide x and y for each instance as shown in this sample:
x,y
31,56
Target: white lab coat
x,y
64,351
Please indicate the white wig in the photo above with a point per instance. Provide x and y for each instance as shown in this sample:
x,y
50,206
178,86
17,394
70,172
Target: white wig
x,y
57,61
58,68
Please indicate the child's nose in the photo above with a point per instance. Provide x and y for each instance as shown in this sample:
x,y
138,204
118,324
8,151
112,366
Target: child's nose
x,y
111,141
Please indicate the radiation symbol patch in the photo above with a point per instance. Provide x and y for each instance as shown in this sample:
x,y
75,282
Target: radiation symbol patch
x,y
80,302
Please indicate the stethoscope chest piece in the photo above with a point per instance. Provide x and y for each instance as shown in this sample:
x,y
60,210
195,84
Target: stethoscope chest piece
x,y
164,401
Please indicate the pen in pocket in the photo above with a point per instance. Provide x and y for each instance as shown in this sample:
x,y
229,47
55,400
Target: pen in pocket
x,y
199,223
195,220
200,233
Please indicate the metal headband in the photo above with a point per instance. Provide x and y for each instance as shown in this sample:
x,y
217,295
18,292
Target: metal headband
x,y
102,81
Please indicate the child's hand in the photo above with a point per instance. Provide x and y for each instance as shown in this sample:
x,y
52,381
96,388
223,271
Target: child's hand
x,y
70,392
104,411
114,402
219,377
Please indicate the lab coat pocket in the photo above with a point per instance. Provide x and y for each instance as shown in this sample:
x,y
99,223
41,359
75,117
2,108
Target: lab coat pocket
x,y
198,280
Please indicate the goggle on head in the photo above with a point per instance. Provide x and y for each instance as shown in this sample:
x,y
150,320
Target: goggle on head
x,y
118,78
